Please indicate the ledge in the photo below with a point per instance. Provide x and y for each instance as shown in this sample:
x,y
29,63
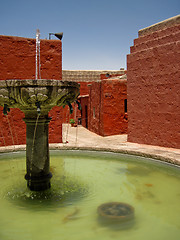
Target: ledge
x,y
159,26
168,155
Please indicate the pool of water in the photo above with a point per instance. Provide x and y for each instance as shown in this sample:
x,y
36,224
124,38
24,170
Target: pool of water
x,y
81,182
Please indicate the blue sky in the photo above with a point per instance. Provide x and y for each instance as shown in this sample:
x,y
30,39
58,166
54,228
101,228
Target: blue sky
x,y
97,33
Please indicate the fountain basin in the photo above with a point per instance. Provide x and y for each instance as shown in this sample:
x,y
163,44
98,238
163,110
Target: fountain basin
x,y
89,180
24,94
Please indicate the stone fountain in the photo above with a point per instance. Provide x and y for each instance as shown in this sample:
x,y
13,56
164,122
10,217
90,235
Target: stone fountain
x,y
35,98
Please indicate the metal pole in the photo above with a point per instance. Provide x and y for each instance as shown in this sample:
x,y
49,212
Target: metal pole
x,y
38,65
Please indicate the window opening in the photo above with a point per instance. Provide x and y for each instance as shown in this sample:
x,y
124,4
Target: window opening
x,y
125,105
94,112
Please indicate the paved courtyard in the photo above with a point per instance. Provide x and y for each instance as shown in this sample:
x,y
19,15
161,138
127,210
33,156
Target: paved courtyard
x,y
81,138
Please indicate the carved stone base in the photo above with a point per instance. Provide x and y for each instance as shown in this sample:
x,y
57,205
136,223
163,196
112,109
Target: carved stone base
x,y
38,183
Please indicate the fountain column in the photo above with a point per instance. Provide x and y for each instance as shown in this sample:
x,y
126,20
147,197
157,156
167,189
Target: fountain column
x,y
37,153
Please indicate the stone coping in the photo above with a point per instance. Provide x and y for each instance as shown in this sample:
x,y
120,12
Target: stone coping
x,y
28,39
166,155
120,78
88,75
92,71
36,82
159,26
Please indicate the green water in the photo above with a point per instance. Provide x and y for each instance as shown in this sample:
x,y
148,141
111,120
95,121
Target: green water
x,y
81,182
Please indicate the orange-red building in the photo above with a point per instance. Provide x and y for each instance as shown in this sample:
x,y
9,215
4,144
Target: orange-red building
x,y
153,70
153,88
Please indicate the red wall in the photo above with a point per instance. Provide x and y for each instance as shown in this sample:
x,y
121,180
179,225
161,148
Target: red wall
x,y
154,86
17,61
84,89
106,107
12,128
114,116
17,58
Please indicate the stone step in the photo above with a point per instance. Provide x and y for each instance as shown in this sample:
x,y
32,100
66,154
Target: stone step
x,y
157,34
174,37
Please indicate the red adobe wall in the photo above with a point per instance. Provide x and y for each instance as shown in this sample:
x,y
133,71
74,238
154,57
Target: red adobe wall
x,y
106,107
154,85
95,123
17,61
17,58
84,89
12,128
114,117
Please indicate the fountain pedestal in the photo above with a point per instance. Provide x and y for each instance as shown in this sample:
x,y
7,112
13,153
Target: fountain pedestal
x,y
36,98
37,153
